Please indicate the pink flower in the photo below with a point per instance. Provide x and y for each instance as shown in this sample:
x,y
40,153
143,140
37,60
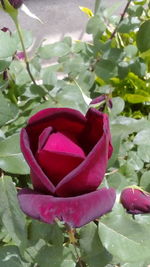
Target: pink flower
x,y
135,201
68,154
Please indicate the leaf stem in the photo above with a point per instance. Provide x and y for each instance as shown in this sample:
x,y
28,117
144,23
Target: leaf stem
x,y
121,19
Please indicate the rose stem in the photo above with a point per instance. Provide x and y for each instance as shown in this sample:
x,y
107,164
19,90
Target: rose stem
x,y
121,19
24,50
27,61
73,241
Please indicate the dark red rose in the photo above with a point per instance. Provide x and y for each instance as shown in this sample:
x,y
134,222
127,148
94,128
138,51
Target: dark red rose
x,y
67,153
135,201
102,102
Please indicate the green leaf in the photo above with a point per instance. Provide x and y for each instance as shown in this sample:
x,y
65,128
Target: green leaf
x,y
95,25
128,25
136,98
92,251
27,39
8,111
118,105
55,256
116,141
145,181
70,96
10,256
97,6
4,64
36,90
135,11
113,54
19,73
117,181
49,233
144,152
138,67
46,104
123,69
10,213
58,49
143,37
130,50
86,80
49,77
126,125
106,69
128,170
8,45
124,238
75,65
142,138
11,158
134,160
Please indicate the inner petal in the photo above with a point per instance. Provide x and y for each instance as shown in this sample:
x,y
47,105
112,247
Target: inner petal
x,y
58,142
59,156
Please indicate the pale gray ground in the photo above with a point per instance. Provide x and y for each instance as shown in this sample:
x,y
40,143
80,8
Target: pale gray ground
x,y
60,17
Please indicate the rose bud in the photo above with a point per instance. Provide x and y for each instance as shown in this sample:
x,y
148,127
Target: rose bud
x,y
102,102
5,29
135,201
67,153
15,3
20,55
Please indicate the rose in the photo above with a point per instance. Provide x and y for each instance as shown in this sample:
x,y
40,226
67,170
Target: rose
x,y
135,201
67,154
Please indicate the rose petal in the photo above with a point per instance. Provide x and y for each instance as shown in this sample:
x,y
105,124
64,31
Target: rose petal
x,y
59,156
57,165
39,179
61,119
95,126
44,136
58,142
93,129
89,174
75,211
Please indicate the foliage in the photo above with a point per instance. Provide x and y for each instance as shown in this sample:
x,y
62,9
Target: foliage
x,y
115,62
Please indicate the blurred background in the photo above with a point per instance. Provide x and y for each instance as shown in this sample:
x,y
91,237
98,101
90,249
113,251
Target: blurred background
x,y
60,18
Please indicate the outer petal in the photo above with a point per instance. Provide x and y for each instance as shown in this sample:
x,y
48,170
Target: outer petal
x,y
61,119
135,201
95,127
75,211
39,179
89,174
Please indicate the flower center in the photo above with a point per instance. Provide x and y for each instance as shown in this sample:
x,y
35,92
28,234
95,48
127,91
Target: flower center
x,y
59,156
